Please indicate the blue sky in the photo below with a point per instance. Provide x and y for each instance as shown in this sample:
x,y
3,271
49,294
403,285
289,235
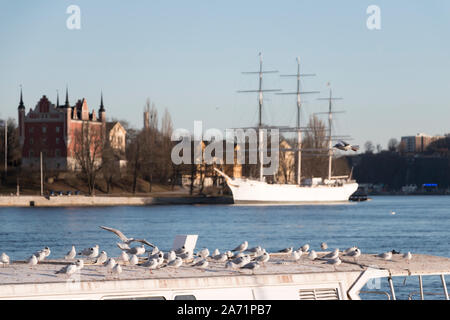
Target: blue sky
x,y
187,56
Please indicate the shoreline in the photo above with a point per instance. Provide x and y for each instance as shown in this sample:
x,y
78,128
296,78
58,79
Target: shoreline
x,y
102,201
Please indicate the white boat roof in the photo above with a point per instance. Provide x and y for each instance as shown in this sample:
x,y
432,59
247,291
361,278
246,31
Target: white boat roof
x,y
279,265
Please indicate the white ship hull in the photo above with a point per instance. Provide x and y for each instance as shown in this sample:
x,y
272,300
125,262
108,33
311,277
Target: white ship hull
x,y
251,191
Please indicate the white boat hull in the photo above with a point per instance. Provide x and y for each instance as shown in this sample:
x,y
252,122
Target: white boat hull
x,y
251,191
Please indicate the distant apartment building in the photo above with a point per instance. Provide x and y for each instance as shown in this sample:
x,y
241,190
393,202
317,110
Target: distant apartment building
x,y
53,130
417,143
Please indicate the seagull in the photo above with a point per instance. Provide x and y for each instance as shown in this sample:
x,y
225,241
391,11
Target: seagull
x,y
117,269
71,254
312,255
110,265
242,247
203,253
355,254
407,256
124,257
175,263
101,258
80,264
134,260
154,251
242,260
305,248
259,253
203,264
324,246
332,255
169,256
180,250
68,270
335,262
344,146
348,250
386,255
90,252
4,259
286,250
252,266
263,258
231,265
32,261
296,255
254,249
47,252
125,239
40,255
229,254
221,257
186,255
152,264
215,253
238,254
136,250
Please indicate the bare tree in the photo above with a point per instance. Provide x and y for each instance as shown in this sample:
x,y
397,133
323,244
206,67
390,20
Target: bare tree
x,y
393,145
368,146
89,141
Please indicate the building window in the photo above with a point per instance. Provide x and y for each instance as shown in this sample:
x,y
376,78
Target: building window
x,y
57,129
31,130
31,141
57,140
44,129
31,154
57,153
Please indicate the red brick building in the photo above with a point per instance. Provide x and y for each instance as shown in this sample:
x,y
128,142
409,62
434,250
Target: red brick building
x,y
54,129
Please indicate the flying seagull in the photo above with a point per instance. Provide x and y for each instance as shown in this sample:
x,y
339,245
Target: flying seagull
x,y
125,239
344,146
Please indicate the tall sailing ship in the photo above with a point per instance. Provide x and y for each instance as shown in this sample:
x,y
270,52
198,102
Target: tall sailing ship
x,y
311,190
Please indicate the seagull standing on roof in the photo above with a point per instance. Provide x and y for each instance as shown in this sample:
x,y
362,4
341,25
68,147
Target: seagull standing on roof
x,y
124,257
90,253
296,255
305,248
286,250
101,258
324,246
134,260
32,261
335,262
355,254
263,258
68,270
407,256
312,255
242,247
215,253
386,255
252,266
351,249
175,263
152,264
110,265
117,269
221,257
71,254
332,255
203,253
4,259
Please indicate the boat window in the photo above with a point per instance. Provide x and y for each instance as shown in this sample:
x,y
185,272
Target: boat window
x,y
319,294
185,297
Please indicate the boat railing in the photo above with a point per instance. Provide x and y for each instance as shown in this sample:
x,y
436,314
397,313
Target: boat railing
x,y
415,293
378,292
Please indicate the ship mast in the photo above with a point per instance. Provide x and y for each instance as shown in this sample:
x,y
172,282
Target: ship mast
x,y
330,119
260,92
299,104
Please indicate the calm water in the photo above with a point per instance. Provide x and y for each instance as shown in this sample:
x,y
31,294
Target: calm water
x,y
421,225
